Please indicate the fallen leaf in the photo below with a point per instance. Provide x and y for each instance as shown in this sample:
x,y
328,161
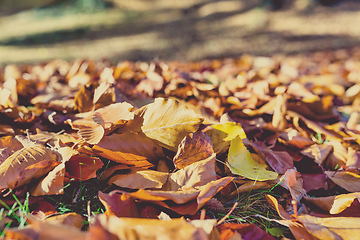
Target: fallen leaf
x,y
232,130
347,180
318,152
241,163
8,145
168,122
194,147
30,154
129,148
196,174
83,167
69,219
279,161
52,184
246,231
138,228
119,204
140,179
279,121
346,228
293,182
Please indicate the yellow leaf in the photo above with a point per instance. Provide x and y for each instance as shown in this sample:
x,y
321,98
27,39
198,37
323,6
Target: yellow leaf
x,y
346,228
168,122
241,163
232,129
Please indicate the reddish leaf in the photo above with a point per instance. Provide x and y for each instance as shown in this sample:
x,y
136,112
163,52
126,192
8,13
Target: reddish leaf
x,y
279,161
83,167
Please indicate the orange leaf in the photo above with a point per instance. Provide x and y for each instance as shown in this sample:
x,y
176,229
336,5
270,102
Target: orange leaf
x,y
129,148
83,167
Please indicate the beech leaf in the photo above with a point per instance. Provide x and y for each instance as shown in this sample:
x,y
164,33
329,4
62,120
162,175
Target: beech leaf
x,y
168,122
129,148
30,154
194,147
241,163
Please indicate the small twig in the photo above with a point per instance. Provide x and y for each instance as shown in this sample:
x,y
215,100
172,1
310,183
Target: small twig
x,y
228,214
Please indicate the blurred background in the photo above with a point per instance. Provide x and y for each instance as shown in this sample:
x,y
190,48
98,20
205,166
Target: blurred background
x,y
184,30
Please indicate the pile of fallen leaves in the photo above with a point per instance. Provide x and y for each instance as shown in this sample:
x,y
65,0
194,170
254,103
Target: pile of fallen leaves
x,y
89,150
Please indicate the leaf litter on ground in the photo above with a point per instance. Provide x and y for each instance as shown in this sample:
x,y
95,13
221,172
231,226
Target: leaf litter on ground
x,y
247,148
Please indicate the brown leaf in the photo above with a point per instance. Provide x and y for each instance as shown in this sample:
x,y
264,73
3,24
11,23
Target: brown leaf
x,y
195,174
83,167
129,148
112,113
138,228
246,231
348,180
89,130
137,179
279,121
8,145
318,152
168,122
70,219
346,228
183,201
292,181
194,147
52,184
84,98
30,154
293,138
279,161
118,204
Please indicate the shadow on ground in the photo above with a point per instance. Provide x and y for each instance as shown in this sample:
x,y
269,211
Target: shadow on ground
x,y
208,29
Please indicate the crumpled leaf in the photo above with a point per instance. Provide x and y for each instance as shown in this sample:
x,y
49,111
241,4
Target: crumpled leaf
x,y
113,113
52,184
183,201
89,130
168,122
194,147
339,205
292,181
241,163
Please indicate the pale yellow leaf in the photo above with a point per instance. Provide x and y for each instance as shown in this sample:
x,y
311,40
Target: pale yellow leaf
x,y
241,163
168,122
